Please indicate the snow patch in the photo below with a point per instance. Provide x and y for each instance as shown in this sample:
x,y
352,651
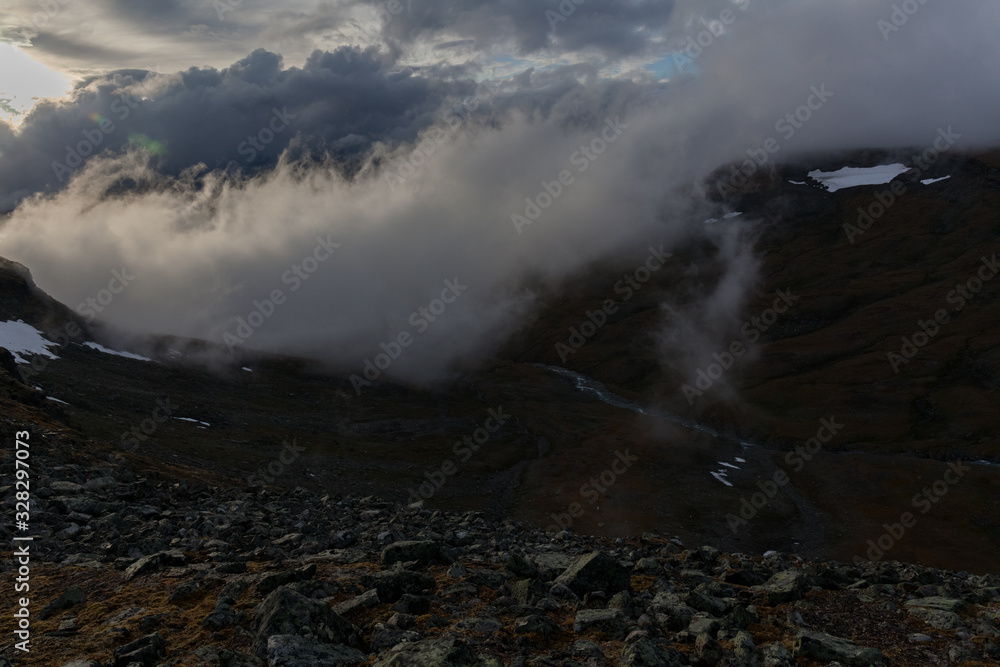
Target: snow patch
x,y
931,181
21,338
852,177
193,421
721,476
247,369
49,398
127,355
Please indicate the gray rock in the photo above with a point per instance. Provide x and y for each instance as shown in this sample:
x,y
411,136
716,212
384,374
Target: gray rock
x,y
708,650
528,591
222,616
60,486
392,585
100,483
939,603
233,590
645,653
610,622
700,601
71,597
694,577
342,539
387,636
67,628
295,651
429,653
595,572
819,646
228,658
285,612
783,587
648,566
272,581
482,625
942,620
586,650
621,601
776,655
424,552
704,624
146,651
562,592
520,567
740,617
366,600
962,653
535,624
487,578
155,562
412,604
124,615
746,651
550,565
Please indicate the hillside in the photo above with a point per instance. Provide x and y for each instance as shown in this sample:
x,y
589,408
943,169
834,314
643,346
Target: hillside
x,y
691,464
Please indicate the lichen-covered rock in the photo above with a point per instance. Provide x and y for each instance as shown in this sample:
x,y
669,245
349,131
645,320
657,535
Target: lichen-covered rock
x,y
154,562
645,653
596,572
776,655
296,651
285,612
429,653
610,622
819,646
146,651
366,600
272,581
783,587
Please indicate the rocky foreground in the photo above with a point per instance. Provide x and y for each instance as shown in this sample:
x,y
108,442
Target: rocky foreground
x,y
132,567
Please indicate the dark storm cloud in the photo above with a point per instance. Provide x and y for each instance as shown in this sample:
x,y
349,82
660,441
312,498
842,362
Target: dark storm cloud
x,y
337,103
613,27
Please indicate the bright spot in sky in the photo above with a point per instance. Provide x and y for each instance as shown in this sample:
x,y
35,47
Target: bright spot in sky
x,y
23,80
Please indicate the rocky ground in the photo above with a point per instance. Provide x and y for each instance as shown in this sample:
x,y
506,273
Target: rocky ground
x,y
137,564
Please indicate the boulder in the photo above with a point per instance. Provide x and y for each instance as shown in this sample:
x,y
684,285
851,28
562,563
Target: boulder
x,y
285,612
296,651
429,653
595,572
819,646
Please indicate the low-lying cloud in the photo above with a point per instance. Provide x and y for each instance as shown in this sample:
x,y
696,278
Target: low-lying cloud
x,y
206,240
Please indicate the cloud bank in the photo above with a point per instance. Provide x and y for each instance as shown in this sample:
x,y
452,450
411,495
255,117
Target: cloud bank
x,y
419,174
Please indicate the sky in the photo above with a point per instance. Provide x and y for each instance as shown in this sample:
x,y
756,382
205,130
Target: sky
x,y
208,147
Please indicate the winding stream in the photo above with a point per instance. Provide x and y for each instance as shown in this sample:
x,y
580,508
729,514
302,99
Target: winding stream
x,y
591,386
